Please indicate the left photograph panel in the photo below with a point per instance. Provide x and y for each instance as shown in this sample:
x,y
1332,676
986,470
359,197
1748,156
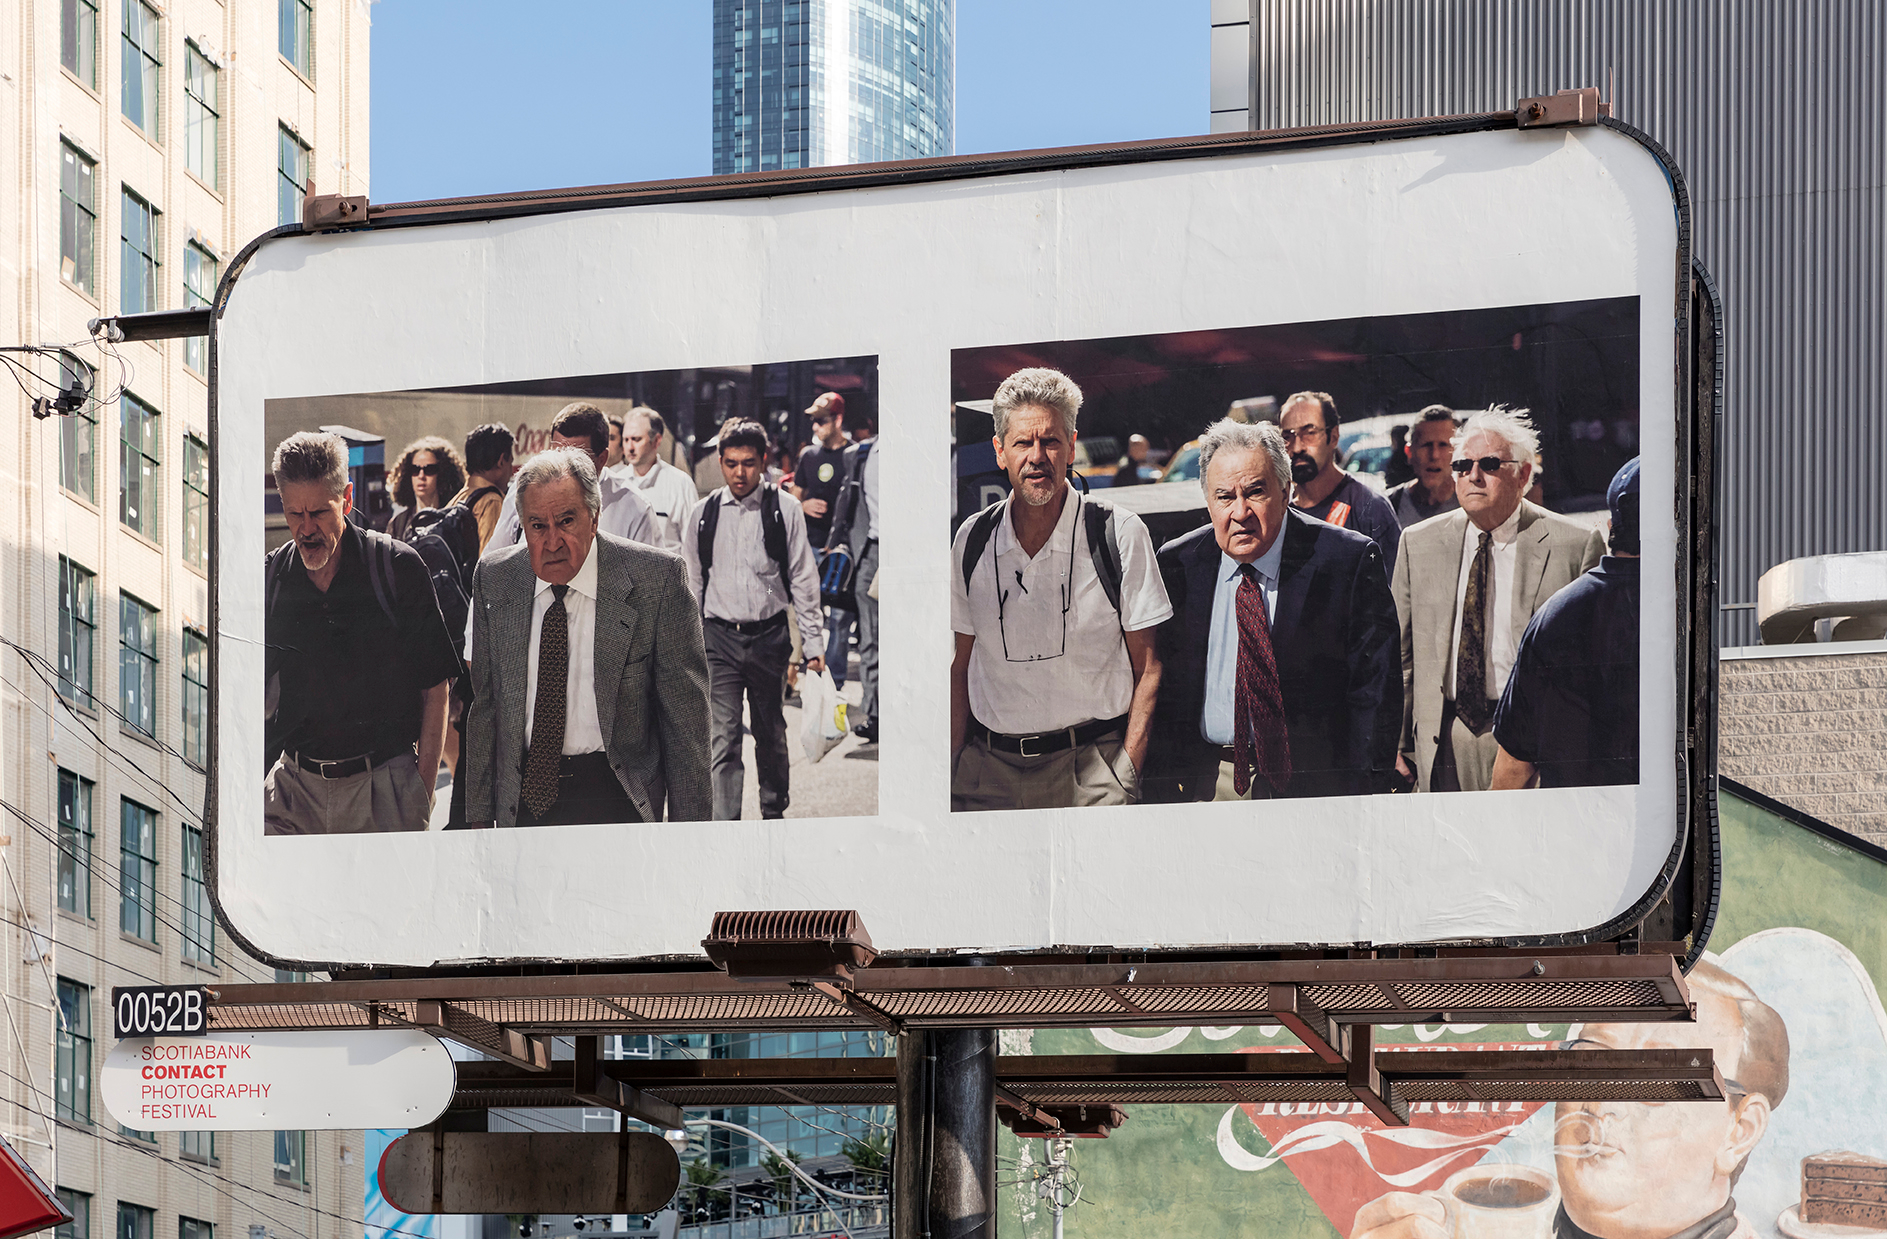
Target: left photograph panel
x,y
601,600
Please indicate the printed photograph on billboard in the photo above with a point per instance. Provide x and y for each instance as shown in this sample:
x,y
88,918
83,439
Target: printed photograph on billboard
x,y
1350,477
411,593
1440,517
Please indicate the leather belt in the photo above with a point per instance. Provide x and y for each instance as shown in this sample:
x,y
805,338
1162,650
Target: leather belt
x,y
747,626
1044,743
347,768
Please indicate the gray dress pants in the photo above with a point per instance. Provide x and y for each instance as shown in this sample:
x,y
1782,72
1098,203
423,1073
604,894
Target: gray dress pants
x,y
750,665
866,573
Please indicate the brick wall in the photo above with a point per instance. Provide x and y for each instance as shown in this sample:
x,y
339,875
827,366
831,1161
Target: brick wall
x,y
1810,731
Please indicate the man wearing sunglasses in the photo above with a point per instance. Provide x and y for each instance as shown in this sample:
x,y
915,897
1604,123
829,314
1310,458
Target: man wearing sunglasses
x,y
1466,585
1055,676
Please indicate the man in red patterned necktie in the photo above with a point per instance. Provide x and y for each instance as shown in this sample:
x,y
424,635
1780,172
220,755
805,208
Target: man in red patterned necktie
x,y
1282,673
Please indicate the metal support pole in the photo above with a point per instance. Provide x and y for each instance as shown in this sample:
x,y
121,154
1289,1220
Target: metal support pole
x,y
944,1164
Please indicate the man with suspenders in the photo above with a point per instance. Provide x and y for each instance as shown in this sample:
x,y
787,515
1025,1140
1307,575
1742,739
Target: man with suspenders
x,y
1309,424
752,573
1055,599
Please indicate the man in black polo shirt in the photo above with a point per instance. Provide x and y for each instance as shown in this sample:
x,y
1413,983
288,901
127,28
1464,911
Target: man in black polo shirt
x,y
359,663
818,478
1308,423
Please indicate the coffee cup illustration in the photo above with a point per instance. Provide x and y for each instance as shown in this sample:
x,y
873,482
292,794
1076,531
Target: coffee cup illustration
x,y
1499,1201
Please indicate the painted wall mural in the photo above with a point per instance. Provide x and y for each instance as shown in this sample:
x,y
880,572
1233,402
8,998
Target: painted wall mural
x,y
1789,999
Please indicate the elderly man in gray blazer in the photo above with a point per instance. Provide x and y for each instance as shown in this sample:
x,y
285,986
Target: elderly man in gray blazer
x,y
1465,585
589,676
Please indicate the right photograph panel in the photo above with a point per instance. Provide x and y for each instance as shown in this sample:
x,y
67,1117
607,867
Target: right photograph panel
x,y
1344,558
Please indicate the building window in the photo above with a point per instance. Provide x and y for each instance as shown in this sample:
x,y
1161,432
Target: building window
x,y
284,976
140,66
199,286
75,844
199,115
199,923
190,1228
198,1146
196,504
72,1068
137,664
196,698
134,1221
78,431
290,1165
137,281
138,496
78,216
292,183
78,621
78,39
79,1205
137,864
296,26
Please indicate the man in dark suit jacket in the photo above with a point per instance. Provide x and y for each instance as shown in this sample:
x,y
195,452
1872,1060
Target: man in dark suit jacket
x,y
1281,659
619,719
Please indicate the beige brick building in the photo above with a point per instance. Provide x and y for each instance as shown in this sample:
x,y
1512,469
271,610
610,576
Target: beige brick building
x,y
147,142
1807,725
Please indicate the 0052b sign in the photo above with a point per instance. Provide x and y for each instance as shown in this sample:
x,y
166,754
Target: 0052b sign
x,y
159,1011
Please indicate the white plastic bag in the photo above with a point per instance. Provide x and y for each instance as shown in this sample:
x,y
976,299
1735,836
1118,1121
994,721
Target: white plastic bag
x,y
822,714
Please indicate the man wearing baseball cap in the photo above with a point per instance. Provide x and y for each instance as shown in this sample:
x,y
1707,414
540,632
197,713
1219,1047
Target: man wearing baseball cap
x,y
1569,717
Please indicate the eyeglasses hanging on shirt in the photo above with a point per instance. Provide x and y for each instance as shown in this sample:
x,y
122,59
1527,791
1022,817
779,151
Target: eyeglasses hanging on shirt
x,y
1038,634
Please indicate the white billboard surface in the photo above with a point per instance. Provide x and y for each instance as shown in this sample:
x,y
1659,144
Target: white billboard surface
x,y
266,1081
909,274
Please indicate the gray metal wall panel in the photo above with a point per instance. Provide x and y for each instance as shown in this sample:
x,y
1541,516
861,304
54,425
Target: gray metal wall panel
x,y
1776,114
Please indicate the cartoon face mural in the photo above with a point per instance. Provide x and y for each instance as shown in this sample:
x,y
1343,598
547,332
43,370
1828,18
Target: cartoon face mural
x,y
1791,1007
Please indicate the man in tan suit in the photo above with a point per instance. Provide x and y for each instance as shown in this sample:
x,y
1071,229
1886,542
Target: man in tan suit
x,y
1465,585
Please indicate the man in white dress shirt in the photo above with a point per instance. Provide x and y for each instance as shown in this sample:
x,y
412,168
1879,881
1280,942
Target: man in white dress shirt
x,y
591,693
752,573
1055,598
626,512
670,491
1466,584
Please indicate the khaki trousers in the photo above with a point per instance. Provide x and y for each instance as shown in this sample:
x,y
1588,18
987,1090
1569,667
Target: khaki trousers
x,y
1093,774
387,798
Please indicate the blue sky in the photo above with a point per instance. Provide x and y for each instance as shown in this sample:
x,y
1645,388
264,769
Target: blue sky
x,y
477,96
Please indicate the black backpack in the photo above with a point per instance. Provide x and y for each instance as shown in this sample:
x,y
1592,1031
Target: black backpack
x,y
772,530
447,539
1097,518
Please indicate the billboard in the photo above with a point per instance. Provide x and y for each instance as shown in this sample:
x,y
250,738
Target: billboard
x,y
1190,373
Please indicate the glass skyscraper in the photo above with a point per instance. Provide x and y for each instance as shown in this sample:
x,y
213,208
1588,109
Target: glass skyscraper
x,y
809,83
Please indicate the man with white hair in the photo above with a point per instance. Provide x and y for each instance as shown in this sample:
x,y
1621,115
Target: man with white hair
x,y
357,661
1055,598
589,677
1466,585
1278,668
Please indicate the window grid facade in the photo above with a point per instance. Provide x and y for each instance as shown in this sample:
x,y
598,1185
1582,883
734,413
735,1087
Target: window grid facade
x,y
196,698
79,1205
137,665
139,499
199,286
295,34
78,625
137,870
199,923
75,843
138,256
78,218
78,431
200,115
292,177
291,1149
141,63
72,1070
78,39
196,503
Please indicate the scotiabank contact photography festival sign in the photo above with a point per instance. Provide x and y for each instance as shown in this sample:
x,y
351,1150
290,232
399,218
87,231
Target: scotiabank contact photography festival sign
x,y
1247,548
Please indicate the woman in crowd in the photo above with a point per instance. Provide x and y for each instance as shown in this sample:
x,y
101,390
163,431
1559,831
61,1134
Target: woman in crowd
x,y
428,475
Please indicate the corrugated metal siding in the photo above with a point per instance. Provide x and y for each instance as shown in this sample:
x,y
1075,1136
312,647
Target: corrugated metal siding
x,y
1776,114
